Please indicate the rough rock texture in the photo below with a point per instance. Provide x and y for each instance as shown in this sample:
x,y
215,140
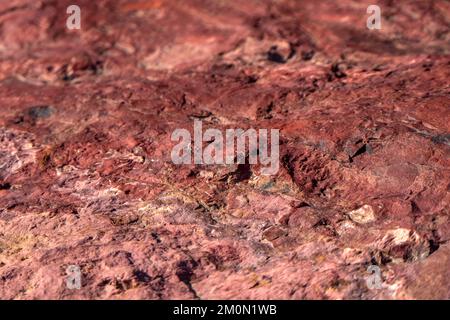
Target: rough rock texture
x,y
86,176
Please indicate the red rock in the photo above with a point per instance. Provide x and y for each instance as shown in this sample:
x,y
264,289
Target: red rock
x,y
86,176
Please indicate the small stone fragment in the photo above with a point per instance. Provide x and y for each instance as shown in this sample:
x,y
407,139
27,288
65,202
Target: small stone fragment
x,y
362,215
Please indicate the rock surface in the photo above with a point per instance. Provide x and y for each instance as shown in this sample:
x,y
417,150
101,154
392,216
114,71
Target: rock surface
x,y
86,176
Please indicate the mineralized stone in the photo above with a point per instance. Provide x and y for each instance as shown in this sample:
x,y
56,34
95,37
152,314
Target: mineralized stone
x,y
86,177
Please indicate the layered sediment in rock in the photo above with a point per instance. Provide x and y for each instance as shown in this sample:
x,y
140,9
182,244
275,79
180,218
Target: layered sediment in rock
x,y
86,176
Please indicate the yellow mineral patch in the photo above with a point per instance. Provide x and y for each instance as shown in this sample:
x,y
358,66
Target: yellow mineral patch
x,y
363,215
